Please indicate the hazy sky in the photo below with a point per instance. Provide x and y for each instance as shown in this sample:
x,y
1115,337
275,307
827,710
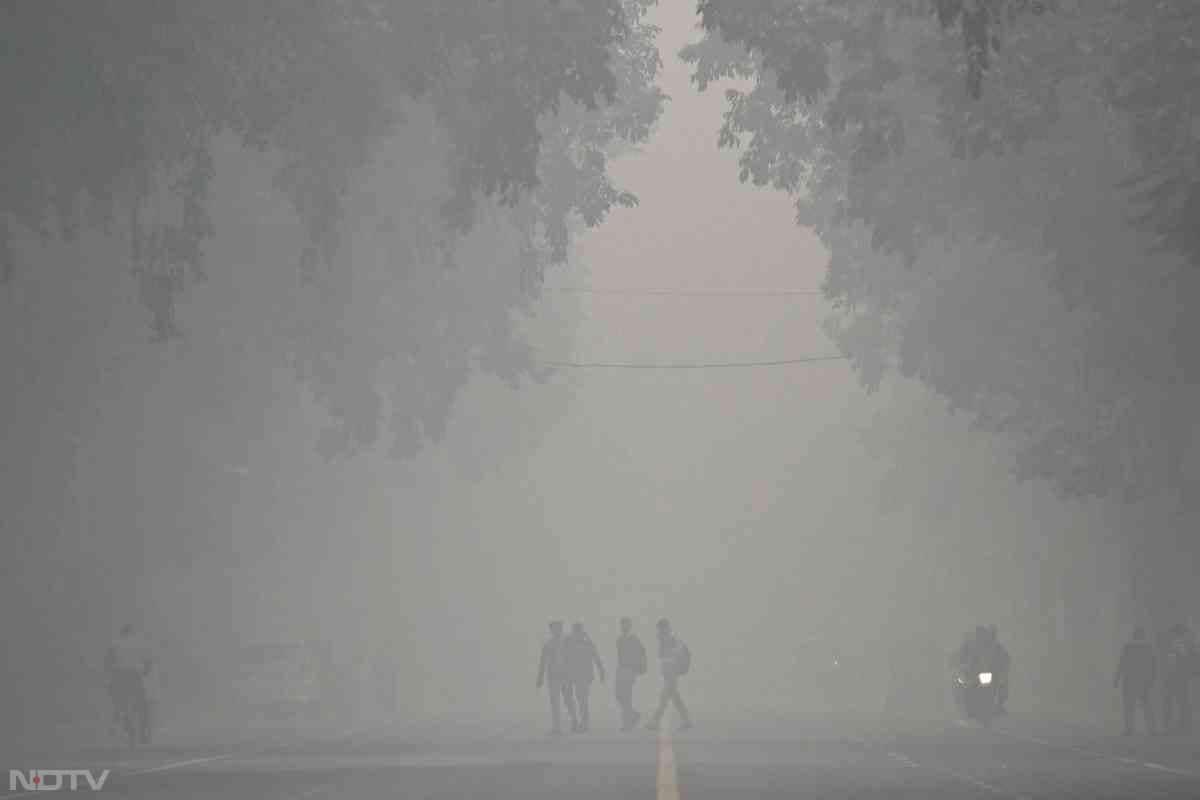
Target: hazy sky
x,y
666,437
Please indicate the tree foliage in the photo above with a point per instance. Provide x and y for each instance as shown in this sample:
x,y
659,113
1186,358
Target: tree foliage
x,y
508,106
1007,214
112,95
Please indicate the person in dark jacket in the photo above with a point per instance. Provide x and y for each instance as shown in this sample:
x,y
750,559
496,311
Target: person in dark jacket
x,y
553,673
582,656
631,664
672,655
1135,677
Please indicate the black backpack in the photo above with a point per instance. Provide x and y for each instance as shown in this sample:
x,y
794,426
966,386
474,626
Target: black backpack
x,y
683,659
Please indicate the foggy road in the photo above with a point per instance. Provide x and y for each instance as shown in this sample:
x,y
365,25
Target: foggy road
x,y
795,757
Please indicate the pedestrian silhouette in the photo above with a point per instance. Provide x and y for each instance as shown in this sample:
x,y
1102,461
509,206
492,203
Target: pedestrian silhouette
x,y
675,659
552,673
583,664
1135,676
631,664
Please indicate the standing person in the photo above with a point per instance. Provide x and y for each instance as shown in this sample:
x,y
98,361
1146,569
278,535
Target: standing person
x,y
582,657
1135,677
631,663
552,673
156,681
128,662
1177,702
675,659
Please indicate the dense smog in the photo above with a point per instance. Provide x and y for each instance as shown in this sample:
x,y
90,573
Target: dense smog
x,y
600,398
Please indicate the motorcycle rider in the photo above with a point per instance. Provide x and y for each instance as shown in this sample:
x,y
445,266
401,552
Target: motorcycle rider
x,y
128,662
984,653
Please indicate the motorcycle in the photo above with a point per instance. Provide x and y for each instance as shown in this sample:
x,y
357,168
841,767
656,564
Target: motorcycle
x,y
976,694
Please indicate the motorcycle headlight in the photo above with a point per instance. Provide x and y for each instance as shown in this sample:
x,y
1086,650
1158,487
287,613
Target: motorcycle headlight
x,y
985,679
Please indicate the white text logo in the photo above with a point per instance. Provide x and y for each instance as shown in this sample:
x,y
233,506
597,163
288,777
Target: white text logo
x,y
53,780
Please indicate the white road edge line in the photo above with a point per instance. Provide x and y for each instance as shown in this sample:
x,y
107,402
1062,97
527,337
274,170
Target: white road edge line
x,y
174,764
225,756
1164,768
987,787
1096,754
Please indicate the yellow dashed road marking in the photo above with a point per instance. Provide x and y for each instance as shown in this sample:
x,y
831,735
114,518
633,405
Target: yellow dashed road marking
x,y
668,778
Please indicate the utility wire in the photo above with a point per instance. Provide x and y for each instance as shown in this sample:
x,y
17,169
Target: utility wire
x,y
688,292
685,365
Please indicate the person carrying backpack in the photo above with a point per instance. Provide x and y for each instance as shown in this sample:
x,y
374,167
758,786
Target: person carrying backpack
x,y
676,660
631,664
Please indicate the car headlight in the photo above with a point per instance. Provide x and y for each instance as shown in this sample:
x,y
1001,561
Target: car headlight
x,y
985,678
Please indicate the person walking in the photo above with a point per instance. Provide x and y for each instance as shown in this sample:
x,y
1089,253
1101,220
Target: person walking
x,y
1135,677
583,664
552,673
631,664
675,659
129,660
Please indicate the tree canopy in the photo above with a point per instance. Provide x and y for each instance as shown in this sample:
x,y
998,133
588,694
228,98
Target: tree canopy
x,y
1006,190
500,112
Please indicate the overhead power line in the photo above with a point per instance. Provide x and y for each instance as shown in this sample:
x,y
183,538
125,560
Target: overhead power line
x,y
687,292
689,365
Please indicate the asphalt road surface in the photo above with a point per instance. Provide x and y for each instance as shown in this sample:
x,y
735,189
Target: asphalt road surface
x,y
792,757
